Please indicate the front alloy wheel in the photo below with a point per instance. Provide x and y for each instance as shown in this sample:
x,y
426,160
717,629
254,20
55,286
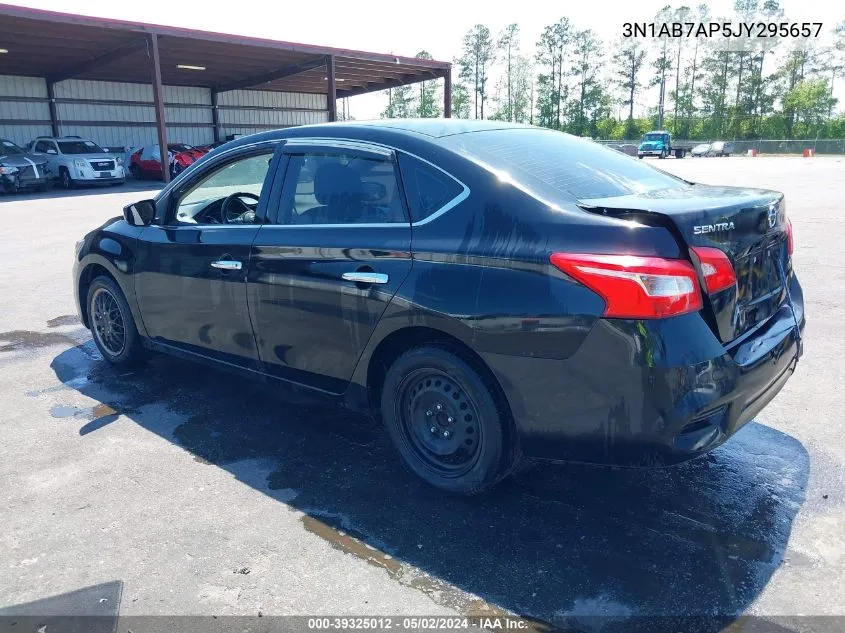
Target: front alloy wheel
x,y
111,323
107,322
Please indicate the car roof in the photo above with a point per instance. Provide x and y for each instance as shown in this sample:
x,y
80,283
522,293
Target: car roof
x,y
383,130
62,138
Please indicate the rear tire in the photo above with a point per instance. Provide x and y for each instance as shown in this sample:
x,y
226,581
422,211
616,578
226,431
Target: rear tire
x,y
444,420
111,323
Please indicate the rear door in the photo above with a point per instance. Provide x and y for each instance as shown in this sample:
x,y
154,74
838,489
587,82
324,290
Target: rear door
x,y
323,272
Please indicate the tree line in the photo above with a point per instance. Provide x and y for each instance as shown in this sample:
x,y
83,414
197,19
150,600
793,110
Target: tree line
x,y
780,88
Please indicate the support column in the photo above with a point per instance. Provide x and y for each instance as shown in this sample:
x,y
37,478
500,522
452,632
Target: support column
x,y
447,93
54,119
215,116
158,100
332,91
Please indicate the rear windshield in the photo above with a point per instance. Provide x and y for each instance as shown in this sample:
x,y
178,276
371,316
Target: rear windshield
x,y
80,147
553,163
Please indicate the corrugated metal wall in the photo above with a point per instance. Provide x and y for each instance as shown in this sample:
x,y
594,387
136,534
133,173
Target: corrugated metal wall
x,y
122,114
248,111
26,100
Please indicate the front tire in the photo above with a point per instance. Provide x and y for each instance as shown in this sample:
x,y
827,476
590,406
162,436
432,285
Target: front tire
x,y
65,180
111,323
445,422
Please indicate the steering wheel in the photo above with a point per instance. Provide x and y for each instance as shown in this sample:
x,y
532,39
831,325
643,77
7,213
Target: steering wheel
x,y
236,199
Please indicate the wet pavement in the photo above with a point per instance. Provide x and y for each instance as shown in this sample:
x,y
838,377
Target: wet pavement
x,y
200,492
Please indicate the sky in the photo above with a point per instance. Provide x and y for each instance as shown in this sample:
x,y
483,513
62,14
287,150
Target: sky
x,y
404,28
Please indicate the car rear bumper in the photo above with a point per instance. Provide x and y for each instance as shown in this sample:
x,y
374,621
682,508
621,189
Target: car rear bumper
x,y
648,393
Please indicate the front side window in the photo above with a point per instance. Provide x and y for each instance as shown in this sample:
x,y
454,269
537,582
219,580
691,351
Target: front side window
x,y
80,147
44,146
229,194
337,188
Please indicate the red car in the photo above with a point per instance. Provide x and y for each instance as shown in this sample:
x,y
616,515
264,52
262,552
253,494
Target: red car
x,y
146,162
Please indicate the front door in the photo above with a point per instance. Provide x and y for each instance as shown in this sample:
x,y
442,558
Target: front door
x,y
326,266
191,270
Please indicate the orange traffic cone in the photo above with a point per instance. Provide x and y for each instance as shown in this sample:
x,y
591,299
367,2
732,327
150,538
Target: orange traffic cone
x,y
808,153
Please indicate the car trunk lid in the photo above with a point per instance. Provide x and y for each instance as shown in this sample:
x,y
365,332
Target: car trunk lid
x,y
748,225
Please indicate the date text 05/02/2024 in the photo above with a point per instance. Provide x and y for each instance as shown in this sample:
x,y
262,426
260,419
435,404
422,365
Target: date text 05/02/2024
x,y
722,29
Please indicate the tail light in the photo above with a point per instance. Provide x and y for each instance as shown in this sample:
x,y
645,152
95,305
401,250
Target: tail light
x,y
635,287
716,267
790,243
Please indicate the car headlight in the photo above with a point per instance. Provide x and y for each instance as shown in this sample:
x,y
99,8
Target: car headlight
x,y
8,169
119,161
79,163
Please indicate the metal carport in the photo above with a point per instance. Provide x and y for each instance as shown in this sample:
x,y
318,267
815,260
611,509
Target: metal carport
x,y
60,46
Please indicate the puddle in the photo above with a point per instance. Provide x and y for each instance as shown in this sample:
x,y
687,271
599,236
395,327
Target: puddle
x,y
63,411
18,340
343,541
92,413
346,539
65,319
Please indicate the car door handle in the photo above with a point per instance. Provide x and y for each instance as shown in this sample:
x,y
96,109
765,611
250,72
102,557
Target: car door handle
x,y
227,264
363,277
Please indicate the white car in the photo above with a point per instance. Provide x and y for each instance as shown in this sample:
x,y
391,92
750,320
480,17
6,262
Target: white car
x,y
77,161
701,150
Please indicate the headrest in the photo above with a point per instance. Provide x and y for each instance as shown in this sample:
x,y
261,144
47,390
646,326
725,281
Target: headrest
x,y
335,183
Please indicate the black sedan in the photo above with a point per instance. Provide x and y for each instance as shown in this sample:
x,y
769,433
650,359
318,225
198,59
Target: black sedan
x,y
487,290
20,170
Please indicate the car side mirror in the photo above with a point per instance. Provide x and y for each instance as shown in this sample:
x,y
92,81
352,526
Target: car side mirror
x,y
52,151
140,213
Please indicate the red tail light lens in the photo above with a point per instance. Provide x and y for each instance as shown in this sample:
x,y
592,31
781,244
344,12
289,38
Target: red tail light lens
x,y
790,240
635,287
717,268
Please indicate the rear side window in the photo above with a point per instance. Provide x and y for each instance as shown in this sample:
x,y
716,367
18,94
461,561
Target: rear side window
x,y
338,188
554,164
428,189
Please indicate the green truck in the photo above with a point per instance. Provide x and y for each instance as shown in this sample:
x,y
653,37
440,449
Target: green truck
x,y
659,143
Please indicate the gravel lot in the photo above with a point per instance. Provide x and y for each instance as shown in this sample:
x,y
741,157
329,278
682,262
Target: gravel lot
x,y
178,490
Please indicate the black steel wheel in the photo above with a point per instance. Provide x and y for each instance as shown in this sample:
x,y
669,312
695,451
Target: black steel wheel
x,y
440,420
446,420
111,324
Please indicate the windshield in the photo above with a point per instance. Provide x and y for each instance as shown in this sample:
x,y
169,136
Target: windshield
x,y
653,137
10,149
552,163
80,147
